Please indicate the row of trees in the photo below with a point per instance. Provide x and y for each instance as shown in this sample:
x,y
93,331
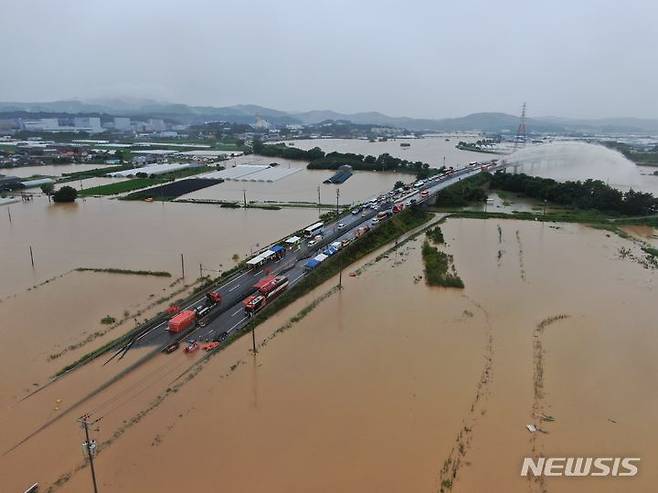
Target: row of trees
x,y
464,192
332,160
589,194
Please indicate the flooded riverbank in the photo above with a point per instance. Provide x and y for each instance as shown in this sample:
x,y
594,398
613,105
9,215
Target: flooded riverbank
x,y
390,385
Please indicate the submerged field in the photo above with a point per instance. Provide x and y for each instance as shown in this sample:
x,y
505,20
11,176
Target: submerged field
x,y
391,385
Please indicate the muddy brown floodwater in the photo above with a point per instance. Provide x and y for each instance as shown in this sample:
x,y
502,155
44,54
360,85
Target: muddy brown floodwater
x,y
389,385
103,232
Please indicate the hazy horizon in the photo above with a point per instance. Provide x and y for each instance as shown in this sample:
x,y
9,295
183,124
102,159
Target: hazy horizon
x,y
594,59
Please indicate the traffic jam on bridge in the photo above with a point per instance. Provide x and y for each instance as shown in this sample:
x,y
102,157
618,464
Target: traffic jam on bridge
x,y
225,308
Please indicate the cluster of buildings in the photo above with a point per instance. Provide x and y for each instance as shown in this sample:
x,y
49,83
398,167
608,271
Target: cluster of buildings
x,y
93,125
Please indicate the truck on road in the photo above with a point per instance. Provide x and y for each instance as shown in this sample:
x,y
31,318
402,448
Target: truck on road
x,y
267,289
187,319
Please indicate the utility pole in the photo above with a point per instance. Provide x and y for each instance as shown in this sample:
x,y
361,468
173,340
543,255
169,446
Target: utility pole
x,y
200,270
340,273
337,197
9,214
90,446
31,256
244,197
182,265
319,198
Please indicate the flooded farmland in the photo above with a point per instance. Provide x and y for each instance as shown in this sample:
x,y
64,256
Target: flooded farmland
x,y
48,170
389,385
132,235
301,186
431,150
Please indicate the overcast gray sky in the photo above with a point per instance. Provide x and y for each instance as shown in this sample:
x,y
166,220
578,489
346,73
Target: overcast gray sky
x,y
579,58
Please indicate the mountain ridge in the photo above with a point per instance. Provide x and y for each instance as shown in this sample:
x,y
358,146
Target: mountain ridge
x,y
494,122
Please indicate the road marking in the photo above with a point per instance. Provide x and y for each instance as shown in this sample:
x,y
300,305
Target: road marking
x,y
236,312
299,278
238,323
232,280
259,272
234,288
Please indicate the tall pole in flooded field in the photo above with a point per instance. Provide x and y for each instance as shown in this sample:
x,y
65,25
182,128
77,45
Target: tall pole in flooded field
x,y
340,272
31,256
90,447
244,197
9,214
182,265
319,199
337,197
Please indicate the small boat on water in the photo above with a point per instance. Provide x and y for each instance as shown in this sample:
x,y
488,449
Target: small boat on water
x,y
148,199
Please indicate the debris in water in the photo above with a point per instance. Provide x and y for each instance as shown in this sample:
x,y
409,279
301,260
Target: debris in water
x,y
531,428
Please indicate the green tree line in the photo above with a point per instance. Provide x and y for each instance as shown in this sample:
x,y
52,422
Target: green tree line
x,y
318,159
588,194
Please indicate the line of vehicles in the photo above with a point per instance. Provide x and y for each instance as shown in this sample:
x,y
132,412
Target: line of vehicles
x,y
272,286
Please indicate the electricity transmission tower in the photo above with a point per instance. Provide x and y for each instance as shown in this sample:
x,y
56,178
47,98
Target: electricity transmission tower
x,y
522,131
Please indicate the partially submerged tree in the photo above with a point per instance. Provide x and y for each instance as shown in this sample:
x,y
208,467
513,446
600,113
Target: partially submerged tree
x,y
65,194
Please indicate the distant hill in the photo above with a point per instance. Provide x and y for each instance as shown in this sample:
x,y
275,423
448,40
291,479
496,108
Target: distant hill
x,y
146,108
248,113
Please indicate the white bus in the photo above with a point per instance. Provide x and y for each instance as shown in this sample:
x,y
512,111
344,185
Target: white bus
x,y
313,229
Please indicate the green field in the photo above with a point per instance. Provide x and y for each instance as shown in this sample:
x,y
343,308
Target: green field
x,y
121,187
138,183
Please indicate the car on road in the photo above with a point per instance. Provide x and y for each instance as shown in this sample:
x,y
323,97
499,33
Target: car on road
x,y
341,225
191,347
221,337
364,214
374,221
356,210
311,243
